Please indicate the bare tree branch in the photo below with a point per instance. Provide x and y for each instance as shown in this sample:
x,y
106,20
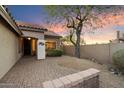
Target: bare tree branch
x,y
79,13
70,22
71,35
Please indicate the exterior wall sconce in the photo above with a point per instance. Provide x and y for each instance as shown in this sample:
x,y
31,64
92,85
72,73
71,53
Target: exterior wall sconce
x,y
29,38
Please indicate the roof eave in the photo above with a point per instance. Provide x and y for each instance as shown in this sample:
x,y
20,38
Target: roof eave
x,y
9,20
32,29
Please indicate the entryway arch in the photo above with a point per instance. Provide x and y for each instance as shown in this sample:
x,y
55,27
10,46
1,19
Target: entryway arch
x,y
30,46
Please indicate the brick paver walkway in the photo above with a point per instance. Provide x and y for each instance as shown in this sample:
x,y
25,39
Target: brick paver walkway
x,y
29,72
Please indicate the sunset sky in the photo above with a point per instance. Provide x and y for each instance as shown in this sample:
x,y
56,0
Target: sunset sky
x,y
38,15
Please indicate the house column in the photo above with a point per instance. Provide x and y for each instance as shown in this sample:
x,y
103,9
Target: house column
x,y
41,49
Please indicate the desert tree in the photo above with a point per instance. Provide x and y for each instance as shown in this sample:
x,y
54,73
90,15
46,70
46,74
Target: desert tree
x,y
80,18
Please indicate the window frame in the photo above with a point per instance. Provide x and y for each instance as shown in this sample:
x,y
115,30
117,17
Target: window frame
x,y
50,45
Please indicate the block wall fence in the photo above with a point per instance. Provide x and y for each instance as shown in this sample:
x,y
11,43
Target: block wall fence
x,y
102,53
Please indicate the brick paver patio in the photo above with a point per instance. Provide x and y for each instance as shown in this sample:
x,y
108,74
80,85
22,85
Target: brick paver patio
x,y
29,72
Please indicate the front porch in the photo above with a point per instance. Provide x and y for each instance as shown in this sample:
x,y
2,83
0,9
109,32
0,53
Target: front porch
x,y
29,46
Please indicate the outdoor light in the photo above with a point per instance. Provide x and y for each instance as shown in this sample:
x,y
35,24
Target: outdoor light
x,y
29,38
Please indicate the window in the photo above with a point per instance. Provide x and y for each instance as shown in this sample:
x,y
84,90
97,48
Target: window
x,y
50,45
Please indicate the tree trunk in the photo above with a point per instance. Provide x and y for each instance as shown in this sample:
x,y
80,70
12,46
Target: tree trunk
x,y
77,46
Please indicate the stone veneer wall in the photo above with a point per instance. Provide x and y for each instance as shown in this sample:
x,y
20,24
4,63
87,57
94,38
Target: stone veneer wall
x,y
84,79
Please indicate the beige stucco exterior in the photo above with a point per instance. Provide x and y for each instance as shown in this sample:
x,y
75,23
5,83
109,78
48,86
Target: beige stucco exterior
x,y
9,48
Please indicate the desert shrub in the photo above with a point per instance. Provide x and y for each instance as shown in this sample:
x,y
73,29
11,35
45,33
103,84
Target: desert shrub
x,y
54,53
118,60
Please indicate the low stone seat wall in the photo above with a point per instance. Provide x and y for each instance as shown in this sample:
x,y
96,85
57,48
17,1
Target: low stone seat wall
x,y
84,79
9,85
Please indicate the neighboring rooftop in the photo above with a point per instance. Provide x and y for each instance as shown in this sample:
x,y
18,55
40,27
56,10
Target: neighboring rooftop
x,y
51,33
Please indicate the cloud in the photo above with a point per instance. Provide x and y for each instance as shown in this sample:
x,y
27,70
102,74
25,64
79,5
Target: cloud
x,y
112,23
100,36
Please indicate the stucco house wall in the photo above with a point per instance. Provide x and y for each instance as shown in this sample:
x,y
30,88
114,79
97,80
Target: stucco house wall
x,y
9,48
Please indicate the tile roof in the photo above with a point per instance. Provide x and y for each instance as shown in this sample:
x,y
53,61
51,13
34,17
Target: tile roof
x,y
35,27
5,13
29,26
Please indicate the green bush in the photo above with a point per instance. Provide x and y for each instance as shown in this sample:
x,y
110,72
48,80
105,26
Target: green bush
x,y
54,53
118,60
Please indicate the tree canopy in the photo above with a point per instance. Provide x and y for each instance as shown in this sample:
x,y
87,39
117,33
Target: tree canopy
x,y
80,18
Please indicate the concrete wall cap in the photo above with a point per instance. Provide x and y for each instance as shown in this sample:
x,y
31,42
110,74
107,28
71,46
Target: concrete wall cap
x,y
74,78
57,83
89,73
65,81
48,84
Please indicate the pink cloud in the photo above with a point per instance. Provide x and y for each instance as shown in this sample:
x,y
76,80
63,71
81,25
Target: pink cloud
x,y
102,35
